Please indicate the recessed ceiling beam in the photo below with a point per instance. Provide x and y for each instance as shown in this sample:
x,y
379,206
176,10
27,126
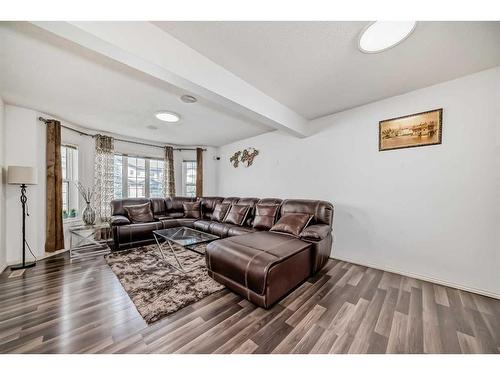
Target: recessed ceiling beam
x,y
145,47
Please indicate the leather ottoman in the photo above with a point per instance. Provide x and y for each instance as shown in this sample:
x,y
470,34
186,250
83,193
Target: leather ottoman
x,y
262,266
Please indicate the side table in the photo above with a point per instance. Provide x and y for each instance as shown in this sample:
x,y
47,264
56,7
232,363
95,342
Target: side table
x,y
89,240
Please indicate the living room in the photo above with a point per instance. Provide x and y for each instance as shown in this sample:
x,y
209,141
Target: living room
x,y
250,187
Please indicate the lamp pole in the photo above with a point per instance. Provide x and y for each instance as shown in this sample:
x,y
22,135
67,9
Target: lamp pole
x,y
23,265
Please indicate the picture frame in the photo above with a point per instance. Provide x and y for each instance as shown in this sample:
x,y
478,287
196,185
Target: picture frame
x,y
415,130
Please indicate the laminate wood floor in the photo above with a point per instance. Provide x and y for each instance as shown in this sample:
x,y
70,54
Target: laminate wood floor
x,y
64,306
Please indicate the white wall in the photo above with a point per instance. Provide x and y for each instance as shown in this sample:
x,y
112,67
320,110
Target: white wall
x,y
3,261
24,144
431,212
24,140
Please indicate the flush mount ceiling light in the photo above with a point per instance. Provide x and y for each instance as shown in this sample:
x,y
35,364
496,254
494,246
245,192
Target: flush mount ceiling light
x,y
188,99
382,35
167,116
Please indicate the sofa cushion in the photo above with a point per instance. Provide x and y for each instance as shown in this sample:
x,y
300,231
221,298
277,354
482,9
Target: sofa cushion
x,y
208,205
292,224
118,205
158,206
238,231
169,223
159,217
269,201
321,211
175,215
202,225
174,205
265,215
237,214
181,222
192,210
137,232
220,211
247,259
251,212
119,220
232,200
186,222
316,232
220,229
140,213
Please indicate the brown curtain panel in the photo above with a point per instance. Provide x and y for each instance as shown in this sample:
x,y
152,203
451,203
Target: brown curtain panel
x,y
199,172
168,172
54,234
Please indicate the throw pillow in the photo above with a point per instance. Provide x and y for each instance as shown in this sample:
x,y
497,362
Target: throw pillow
x,y
192,210
265,216
140,213
237,214
292,223
220,211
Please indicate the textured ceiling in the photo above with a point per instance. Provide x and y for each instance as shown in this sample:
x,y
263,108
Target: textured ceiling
x,y
41,71
315,68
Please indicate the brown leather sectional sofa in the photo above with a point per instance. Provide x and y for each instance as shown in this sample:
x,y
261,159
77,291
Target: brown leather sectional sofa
x,y
260,265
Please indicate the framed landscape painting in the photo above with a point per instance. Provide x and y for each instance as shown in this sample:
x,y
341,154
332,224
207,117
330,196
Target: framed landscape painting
x,y
419,129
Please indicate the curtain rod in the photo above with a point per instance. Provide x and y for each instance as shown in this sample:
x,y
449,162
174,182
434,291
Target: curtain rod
x,y
121,140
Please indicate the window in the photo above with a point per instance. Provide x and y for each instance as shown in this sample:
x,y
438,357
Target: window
x,y
156,178
137,177
189,178
69,166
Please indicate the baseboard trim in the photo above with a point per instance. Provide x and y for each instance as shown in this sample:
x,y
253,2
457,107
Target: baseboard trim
x,y
422,277
40,257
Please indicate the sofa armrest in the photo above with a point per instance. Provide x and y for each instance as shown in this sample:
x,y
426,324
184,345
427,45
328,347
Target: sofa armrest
x,y
119,220
316,232
160,217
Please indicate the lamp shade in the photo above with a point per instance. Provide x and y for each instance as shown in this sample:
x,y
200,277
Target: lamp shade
x,y
17,175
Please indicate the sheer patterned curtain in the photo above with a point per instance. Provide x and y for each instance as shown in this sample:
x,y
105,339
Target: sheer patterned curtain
x,y
103,176
168,173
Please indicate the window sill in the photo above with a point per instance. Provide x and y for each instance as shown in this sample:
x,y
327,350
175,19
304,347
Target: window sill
x,y
71,220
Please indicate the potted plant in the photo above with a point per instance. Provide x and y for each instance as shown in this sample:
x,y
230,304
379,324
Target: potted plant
x,y
72,213
88,215
65,214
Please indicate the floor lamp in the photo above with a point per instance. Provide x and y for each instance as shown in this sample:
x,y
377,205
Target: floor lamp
x,y
22,176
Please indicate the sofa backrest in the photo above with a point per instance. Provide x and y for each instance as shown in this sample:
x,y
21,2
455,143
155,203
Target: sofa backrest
x,y
251,214
231,200
208,205
118,204
158,206
270,201
174,207
322,211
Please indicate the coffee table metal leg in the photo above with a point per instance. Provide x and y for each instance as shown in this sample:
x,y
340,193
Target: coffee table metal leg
x,y
181,267
160,247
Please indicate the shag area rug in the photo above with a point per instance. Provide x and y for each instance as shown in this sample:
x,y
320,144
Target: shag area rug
x,y
156,288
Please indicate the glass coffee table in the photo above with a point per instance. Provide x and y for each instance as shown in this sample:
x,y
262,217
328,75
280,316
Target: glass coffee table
x,y
183,236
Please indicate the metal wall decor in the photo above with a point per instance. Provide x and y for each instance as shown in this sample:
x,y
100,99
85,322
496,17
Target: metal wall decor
x,y
245,157
235,159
